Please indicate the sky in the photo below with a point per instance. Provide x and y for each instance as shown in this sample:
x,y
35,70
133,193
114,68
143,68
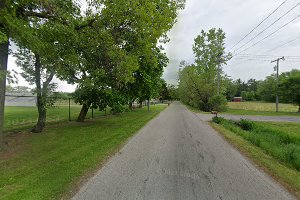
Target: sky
x,y
237,18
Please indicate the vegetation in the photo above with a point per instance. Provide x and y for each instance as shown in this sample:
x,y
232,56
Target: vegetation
x,y
201,82
261,108
110,50
47,166
287,88
275,142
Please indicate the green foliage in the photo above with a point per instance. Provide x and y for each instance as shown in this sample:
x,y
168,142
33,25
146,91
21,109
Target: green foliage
x,y
246,125
198,82
218,103
267,89
289,87
218,120
275,142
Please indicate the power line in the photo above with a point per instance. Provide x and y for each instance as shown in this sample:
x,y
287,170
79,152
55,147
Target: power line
x,y
268,26
269,34
277,47
258,25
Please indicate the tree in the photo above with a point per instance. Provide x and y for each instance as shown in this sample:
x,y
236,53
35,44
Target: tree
x,y
16,18
267,89
36,71
201,81
289,87
115,42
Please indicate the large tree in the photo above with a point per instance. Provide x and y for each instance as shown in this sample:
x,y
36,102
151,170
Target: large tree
x,y
108,50
205,78
17,19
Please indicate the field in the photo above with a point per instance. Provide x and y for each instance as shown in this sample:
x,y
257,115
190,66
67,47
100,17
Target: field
x,y
49,165
26,117
273,146
261,108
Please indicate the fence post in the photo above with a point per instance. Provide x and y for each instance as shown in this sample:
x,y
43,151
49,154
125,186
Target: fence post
x,y
69,109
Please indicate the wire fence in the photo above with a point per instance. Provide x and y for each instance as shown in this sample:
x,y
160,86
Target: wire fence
x,y
21,110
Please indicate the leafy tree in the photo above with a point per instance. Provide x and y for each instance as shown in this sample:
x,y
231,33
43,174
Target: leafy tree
x,y
199,82
267,89
114,46
289,87
16,23
173,92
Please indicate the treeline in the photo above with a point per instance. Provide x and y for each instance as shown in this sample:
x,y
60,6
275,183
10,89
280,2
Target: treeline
x,y
287,86
110,50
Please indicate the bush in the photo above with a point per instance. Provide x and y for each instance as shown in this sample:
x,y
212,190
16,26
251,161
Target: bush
x,y
217,103
246,125
218,120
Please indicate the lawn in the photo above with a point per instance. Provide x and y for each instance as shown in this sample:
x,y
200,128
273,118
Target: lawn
x,y
49,165
273,146
26,117
261,108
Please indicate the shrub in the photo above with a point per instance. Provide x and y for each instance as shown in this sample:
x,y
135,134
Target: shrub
x,y
217,103
218,120
246,125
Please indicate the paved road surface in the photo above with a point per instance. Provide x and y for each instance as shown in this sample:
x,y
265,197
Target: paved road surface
x,y
208,117
178,156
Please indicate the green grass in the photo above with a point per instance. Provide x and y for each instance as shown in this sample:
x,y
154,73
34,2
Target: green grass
x,y
288,177
261,108
279,141
48,165
292,129
25,117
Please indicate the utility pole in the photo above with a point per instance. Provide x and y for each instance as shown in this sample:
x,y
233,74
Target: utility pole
x,y
277,77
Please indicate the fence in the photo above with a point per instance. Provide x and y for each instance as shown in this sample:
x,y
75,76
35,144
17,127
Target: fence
x,y
21,111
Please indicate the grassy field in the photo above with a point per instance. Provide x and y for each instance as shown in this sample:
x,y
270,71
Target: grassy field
x,y
25,117
273,146
261,108
49,165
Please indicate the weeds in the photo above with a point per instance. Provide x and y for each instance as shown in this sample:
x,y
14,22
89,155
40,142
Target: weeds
x,y
277,143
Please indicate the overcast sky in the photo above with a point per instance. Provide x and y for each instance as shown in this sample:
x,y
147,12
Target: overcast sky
x,y
236,18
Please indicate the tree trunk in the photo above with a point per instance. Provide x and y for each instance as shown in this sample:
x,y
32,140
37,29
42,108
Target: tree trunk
x,y
83,112
130,106
3,67
41,97
141,104
40,125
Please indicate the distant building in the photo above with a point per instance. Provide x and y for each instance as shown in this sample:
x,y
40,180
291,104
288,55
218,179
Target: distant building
x,y
18,99
237,99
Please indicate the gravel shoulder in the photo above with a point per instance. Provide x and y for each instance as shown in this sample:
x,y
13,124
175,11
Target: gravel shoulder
x,y
179,156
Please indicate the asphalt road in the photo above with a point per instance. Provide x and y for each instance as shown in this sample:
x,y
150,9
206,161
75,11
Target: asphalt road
x,y
208,117
178,156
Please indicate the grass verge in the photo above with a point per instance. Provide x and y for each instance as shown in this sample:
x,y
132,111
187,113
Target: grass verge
x,y
49,165
287,175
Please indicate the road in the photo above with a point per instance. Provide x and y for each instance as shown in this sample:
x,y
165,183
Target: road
x,y
208,117
178,156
